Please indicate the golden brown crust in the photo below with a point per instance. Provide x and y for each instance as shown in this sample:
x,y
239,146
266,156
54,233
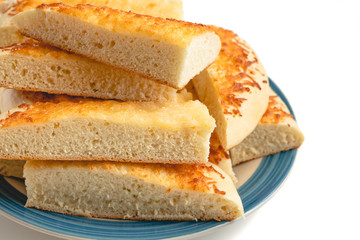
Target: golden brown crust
x,y
242,69
217,152
166,40
151,7
191,181
46,107
114,20
276,112
44,113
235,88
21,6
277,131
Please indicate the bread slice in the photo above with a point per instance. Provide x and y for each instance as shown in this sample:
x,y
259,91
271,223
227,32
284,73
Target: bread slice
x,y
235,89
217,155
33,66
169,51
132,191
59,127
12,168
9,34
277,131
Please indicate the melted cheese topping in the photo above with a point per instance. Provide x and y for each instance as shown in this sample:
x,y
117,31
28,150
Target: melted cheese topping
x,y
177,32
159,8
217,152
173,115
276,111
236,72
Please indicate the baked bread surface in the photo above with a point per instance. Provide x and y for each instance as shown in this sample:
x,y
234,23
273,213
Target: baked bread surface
x,y
166,50
158,8
235,88
9,34
277,131
132,191
59,127
34,66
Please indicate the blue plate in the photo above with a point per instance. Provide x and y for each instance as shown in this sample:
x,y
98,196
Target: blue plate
x,y
263,183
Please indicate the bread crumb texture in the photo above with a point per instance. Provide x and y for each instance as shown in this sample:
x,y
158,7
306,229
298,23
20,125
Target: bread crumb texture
x,y
277,131
115,20
132,191
35,66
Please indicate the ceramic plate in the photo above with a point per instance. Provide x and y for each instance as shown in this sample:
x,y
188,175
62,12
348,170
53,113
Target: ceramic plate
x,y
258,182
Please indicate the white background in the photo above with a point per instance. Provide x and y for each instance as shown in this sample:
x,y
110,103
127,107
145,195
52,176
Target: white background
x,y
311,50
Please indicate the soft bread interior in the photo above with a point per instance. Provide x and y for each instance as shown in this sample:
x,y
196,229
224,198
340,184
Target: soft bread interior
x,y
9,34
277,131
266,140
89,139
196,56
132,191
60,127
154,57
33,66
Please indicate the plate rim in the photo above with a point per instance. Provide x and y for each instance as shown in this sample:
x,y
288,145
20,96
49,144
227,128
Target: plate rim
x,y
202,232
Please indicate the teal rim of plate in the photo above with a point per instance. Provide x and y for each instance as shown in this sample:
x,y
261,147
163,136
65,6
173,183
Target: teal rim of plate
x,y
267,178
